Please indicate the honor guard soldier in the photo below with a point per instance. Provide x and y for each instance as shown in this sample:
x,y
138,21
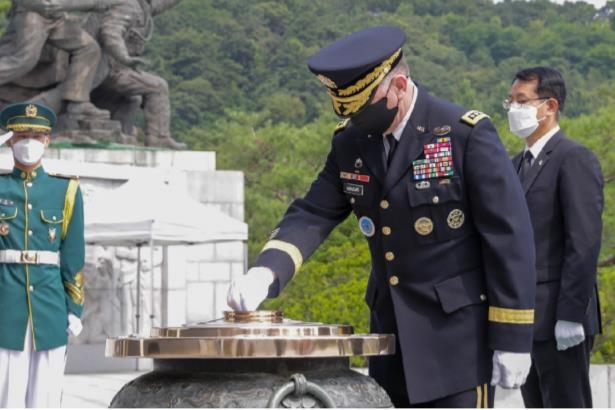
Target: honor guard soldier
x,y
42,253
442,210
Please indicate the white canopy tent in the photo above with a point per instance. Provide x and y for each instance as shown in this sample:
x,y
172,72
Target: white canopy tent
x,y
154,213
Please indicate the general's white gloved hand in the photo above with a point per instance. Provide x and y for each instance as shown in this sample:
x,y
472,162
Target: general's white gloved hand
x,y
74,325
510,369
248,291
568,334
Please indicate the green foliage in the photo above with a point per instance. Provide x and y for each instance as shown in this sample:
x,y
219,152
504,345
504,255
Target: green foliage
x,y
604,348
240,86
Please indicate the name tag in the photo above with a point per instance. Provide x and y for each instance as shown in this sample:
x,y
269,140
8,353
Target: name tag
x,y
353,189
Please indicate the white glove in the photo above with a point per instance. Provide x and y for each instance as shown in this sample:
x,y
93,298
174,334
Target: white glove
x,y
510,369
568,334
74,325
249,290
5,137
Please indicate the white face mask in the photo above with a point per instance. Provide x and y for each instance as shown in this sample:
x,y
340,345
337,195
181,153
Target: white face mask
x,y
28,151
522,120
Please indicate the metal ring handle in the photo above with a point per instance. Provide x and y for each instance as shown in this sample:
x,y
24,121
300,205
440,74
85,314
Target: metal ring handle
x,y
299,386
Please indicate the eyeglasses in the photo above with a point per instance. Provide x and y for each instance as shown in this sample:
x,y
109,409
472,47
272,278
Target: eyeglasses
x,y
507,103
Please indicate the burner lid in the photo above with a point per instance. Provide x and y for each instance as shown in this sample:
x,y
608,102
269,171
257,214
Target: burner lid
x,y
254,334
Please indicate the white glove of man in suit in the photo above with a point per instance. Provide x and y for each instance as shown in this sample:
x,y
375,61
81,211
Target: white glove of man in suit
x,y
247,292
74,325
568,334
510,369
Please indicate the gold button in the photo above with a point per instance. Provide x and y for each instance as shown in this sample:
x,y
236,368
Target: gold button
x,y
435,199
483,297
29,206
31,288
386,230
384,204
389,256
352,200
54,218
29,184
393,280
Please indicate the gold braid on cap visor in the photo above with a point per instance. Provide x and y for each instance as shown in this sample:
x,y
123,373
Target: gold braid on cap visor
x,y
17,126
349,100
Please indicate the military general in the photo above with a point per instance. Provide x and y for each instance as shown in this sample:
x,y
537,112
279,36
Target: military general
x,y
443,212
41,260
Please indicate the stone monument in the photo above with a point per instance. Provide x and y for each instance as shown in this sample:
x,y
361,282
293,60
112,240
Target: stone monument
x,y
84,59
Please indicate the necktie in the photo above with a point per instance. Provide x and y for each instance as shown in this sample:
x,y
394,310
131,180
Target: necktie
x,y
526,164
392,145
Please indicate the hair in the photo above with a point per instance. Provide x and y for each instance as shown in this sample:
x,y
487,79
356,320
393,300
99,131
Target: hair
x,y
550,83
400,68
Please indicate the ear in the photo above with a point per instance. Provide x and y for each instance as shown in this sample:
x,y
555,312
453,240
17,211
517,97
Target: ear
x,y
401,82
47,140
552,105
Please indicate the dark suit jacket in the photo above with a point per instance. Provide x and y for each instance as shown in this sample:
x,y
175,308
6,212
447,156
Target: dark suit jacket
x,y
565,199
453,271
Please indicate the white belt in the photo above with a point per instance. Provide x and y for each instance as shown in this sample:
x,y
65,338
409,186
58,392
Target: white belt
x,y
30,257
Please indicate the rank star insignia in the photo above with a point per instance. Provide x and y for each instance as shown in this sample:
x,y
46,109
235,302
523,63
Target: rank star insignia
x,y
52,234
358,163
4,229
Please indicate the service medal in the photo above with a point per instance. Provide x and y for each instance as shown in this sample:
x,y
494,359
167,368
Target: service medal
x,y
423,226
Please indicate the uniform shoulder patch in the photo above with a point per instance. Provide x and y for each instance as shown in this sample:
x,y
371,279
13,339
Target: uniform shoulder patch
x,y
341,126
472,117
57,175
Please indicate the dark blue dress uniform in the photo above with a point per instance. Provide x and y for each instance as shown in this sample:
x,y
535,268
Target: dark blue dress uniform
x,y
449,236
42,246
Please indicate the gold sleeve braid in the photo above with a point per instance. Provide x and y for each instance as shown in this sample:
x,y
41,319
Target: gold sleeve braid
x,y
514,316
291,250
75,290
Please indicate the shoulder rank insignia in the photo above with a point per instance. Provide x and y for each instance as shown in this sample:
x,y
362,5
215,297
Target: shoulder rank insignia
x,y
55,174
472,117
341,125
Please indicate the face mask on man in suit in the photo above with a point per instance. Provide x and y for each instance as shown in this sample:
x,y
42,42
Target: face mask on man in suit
x,y
522,120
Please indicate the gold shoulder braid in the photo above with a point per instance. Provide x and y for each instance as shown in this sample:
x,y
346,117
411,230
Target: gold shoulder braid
x,y
69,204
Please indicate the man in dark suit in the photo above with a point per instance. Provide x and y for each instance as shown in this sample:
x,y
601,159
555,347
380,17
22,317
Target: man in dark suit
x,y
563,188
444,216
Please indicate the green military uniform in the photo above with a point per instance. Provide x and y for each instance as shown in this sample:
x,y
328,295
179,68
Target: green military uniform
x,y
42,251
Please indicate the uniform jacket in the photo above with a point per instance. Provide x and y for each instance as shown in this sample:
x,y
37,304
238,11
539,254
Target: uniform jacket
x,y
452,258
564,194
40,212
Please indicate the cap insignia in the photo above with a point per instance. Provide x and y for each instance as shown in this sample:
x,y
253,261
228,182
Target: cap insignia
x,y
31,110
